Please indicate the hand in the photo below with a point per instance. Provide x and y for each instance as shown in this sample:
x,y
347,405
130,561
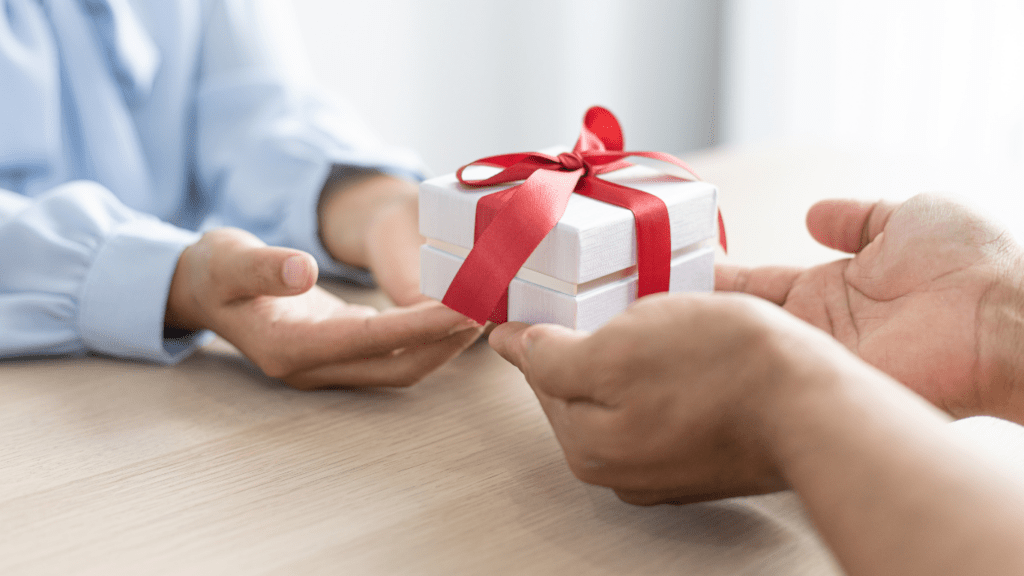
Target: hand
x,y
671,401
372,222
393,250
689,397
263,300
932,297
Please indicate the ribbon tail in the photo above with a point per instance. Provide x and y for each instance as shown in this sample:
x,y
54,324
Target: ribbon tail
x,y
502,248
486,209
721,233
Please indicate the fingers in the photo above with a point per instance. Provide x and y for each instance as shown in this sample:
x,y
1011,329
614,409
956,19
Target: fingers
x,y
400,369
506,340
267,271
393,251
676,497
772,283
393,329
294,335
848,225
550,356
401,280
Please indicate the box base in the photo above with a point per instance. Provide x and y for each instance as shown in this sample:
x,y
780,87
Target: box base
x,y
693,271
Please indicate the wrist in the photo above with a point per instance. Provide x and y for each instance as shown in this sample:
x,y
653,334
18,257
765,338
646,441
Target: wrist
x,y
844,407
181,312
811,388
796,393
796,372
352,206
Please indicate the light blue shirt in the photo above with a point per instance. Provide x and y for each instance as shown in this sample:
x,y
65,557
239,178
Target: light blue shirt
x,y
127,126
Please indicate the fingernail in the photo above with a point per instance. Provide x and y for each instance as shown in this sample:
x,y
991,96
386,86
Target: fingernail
x,y
295,271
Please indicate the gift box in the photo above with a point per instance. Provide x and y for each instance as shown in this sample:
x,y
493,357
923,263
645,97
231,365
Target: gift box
x,y
577,258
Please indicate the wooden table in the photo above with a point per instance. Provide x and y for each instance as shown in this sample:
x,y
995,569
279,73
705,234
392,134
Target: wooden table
x,y
209,467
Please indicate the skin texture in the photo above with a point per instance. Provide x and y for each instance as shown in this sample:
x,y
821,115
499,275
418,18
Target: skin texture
x,y
265,302
689,397
932,297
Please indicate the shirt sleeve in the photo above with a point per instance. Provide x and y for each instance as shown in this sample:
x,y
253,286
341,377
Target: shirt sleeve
x,y
266,138
80,272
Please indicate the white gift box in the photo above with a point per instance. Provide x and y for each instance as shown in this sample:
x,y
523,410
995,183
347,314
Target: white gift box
x,y
584,271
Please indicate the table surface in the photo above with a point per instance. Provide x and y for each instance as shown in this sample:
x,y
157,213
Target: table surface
x,y
209,467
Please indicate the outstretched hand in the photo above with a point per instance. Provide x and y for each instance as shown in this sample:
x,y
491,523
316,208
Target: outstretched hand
x,y
931,296
265,302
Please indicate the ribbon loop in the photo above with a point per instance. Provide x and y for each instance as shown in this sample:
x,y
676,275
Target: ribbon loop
x,y
510,224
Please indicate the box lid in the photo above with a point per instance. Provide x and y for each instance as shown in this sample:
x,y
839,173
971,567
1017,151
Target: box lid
x,y
593,239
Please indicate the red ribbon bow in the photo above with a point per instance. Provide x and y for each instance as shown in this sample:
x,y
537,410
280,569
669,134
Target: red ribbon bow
x,y
512,222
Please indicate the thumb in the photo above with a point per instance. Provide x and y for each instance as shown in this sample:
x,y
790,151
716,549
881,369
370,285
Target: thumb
x,y
848,225
269,271
547,354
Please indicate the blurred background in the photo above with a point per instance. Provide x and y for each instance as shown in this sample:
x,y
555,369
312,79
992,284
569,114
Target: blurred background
x,y
460,79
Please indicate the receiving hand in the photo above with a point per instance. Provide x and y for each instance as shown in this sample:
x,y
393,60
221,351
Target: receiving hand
x,y
372,222
673,400
263,300
393,250
932,297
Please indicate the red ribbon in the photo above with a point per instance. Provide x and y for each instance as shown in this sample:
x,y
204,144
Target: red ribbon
x,y
512,222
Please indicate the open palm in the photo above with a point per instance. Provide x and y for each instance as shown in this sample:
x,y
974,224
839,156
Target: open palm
x,y
925,298
263,300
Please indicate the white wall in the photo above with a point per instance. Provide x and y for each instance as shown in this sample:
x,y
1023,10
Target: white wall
x,y
933,76
460,79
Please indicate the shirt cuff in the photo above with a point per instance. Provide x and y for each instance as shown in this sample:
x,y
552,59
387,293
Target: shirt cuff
x,y
124,297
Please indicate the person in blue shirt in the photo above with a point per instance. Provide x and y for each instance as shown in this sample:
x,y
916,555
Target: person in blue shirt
x,y
130,129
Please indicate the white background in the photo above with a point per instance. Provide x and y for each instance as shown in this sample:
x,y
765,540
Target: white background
x,y
939,77
461,79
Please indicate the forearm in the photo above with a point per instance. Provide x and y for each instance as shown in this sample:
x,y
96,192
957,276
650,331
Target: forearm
x,y
890,490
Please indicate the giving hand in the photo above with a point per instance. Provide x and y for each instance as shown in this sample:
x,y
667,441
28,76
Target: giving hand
x,y
677,398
